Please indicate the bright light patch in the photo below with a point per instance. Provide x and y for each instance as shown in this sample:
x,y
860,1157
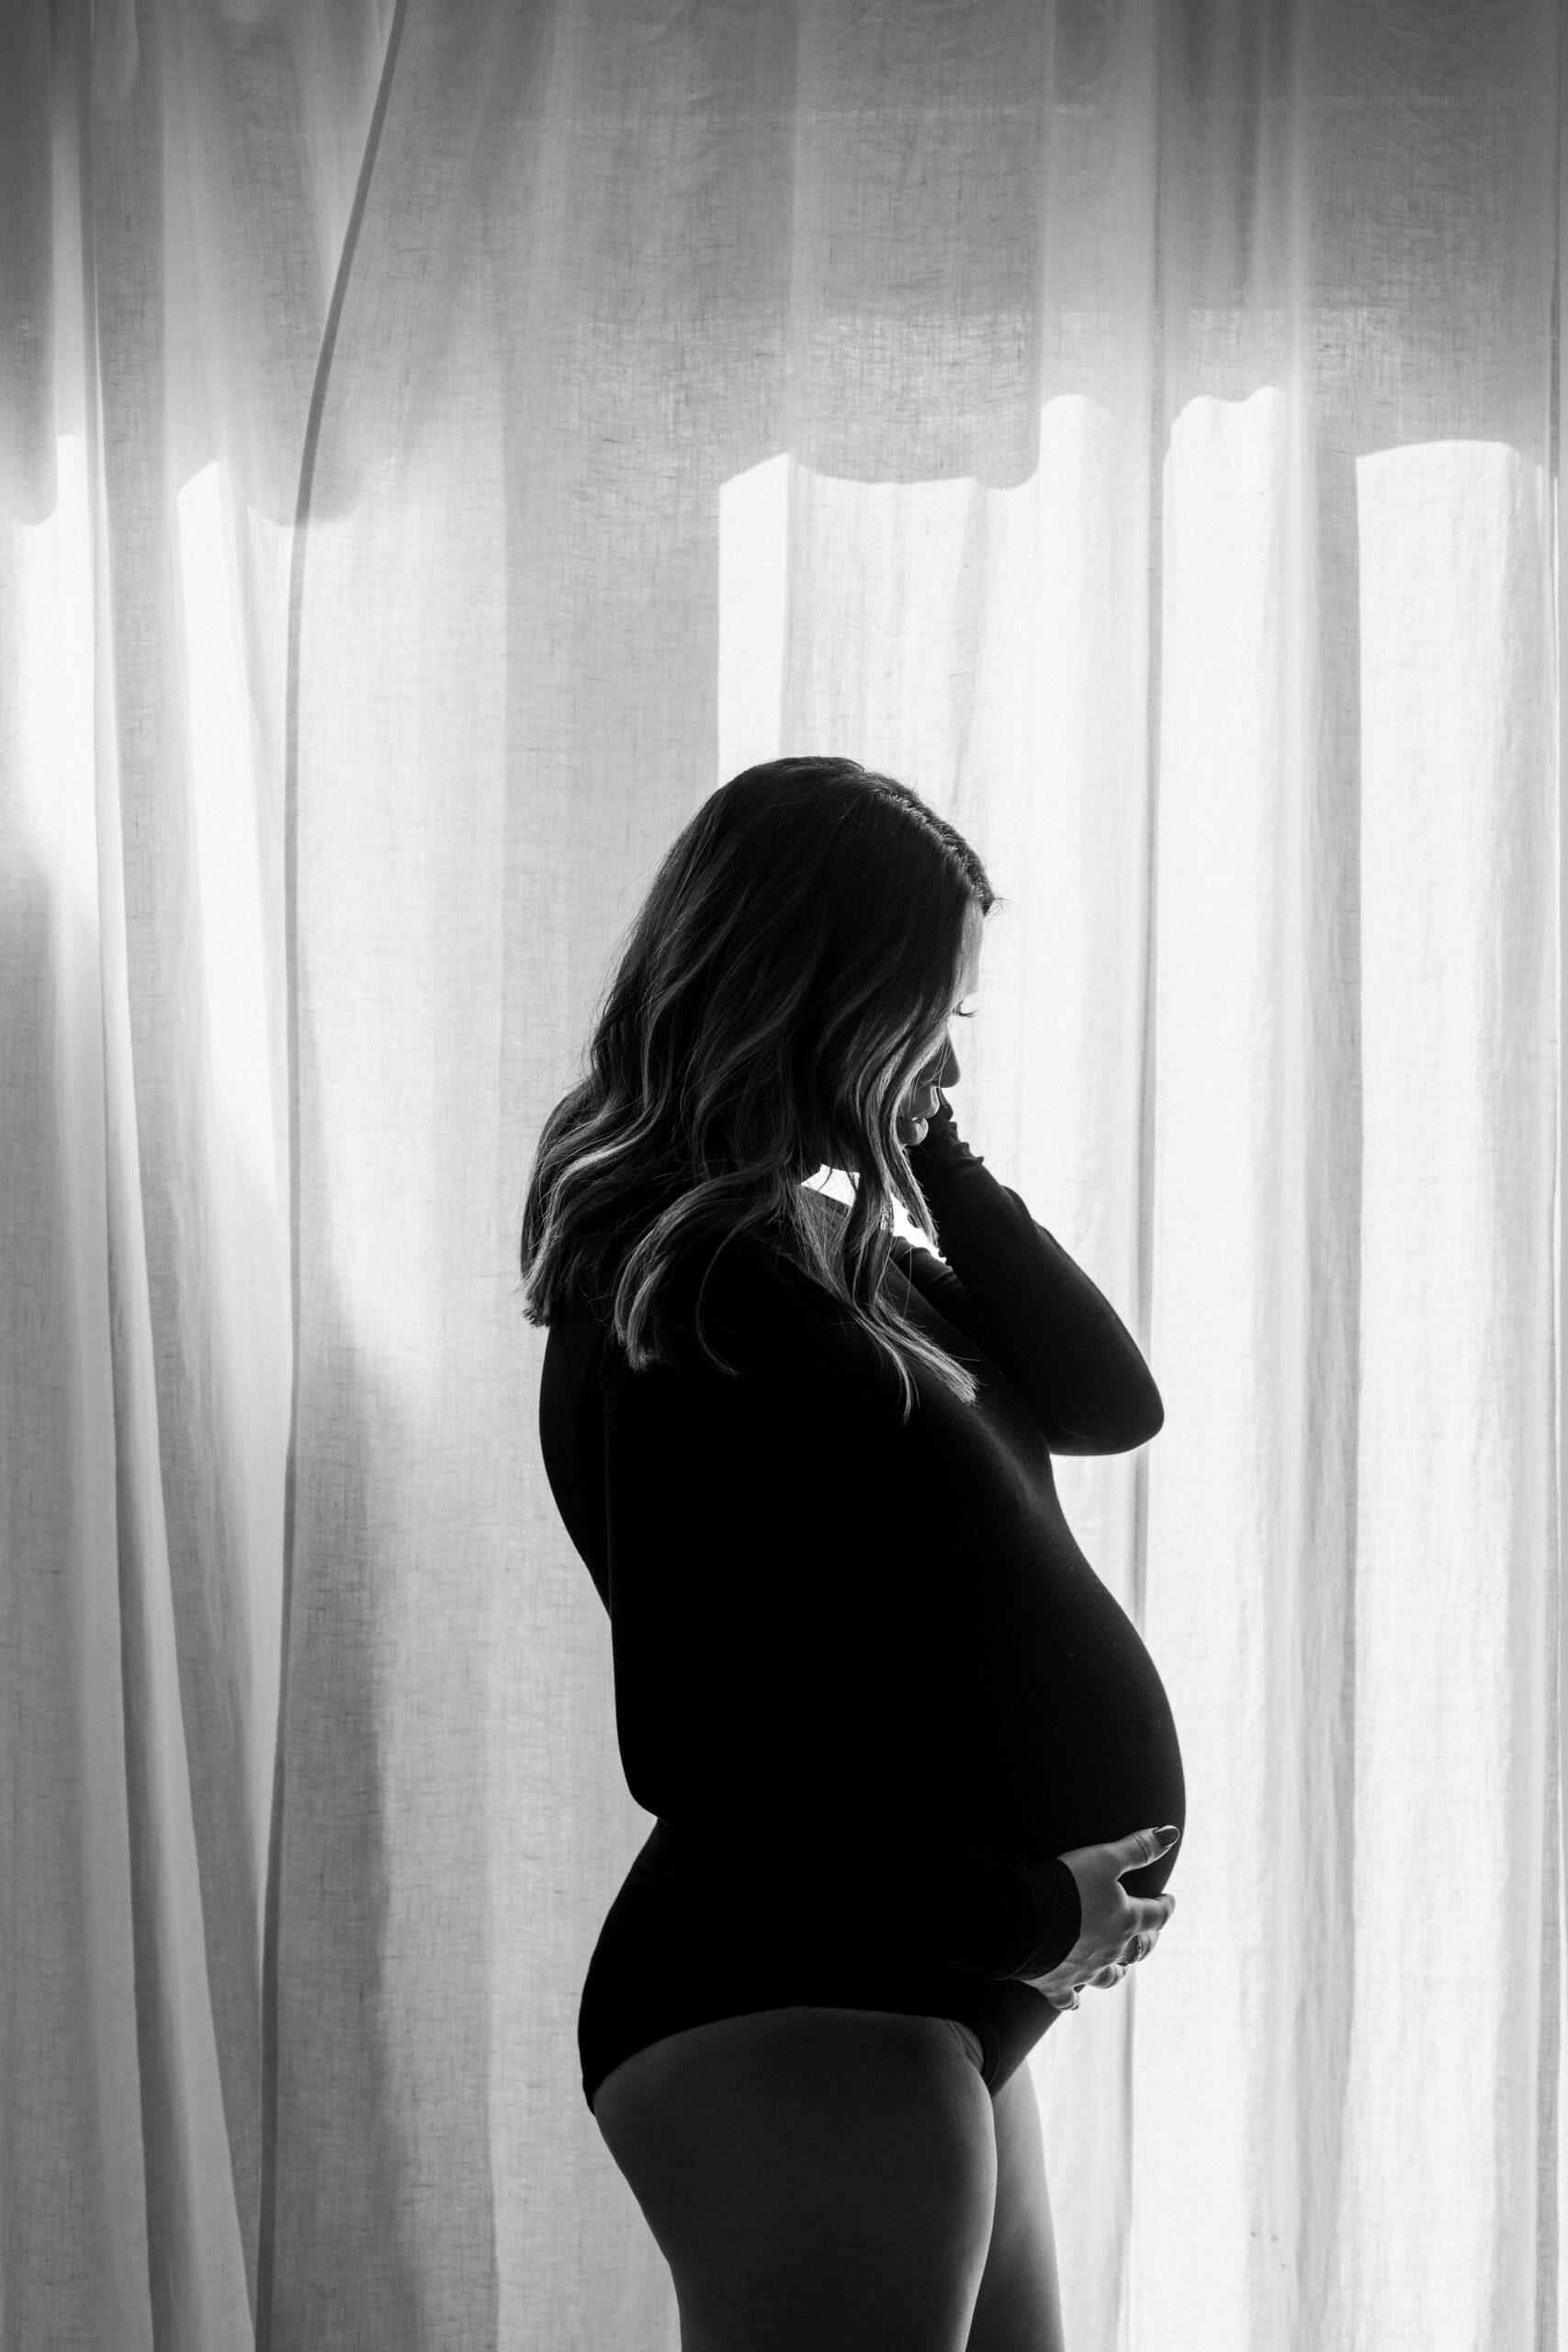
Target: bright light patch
x,y
222,767
753,614
1457,1099
52,696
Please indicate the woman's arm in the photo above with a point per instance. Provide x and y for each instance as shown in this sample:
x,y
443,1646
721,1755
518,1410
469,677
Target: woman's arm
x,y
1011,1287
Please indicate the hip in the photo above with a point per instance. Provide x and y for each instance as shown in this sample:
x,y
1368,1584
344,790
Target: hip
x,y
672,1957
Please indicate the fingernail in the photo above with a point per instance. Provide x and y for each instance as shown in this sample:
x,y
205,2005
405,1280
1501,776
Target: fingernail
x,y
1170,1830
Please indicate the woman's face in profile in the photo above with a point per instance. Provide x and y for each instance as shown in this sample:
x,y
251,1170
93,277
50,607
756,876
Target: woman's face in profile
x,y
942,1068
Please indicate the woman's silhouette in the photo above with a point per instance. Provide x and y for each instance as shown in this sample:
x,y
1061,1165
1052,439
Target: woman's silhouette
x,y
902,1745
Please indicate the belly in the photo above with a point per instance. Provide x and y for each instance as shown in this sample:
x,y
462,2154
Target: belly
x,y
1074,1742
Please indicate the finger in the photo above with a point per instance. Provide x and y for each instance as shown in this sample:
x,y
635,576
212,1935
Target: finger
x,y
1144,1846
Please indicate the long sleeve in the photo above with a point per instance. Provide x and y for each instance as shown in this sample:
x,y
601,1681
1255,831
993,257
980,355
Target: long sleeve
x,y
1011,1288
755,1707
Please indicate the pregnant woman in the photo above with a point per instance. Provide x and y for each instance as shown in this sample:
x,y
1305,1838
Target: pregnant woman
x,y
915,1776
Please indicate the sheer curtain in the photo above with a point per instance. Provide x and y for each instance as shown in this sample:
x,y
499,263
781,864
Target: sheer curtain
x,y
1132,421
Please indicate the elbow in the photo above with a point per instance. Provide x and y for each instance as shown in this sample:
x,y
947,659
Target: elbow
x,y
1129,1424
1137,1419
1125,1414
1152,1420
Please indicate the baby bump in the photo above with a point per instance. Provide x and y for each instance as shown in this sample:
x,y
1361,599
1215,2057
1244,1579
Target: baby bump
x,y
1117,1761
1082,1746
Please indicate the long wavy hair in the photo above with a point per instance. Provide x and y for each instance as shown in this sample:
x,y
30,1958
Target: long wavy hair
x,y
789,976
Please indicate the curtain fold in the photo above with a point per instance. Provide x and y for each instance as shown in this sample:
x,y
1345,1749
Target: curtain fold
x,y
1136,425
176,287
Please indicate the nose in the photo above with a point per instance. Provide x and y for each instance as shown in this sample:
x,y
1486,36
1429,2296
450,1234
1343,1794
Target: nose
x,y
944,1070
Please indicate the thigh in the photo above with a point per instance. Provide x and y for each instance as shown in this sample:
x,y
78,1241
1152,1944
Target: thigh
x,y
819,2180
1019,2308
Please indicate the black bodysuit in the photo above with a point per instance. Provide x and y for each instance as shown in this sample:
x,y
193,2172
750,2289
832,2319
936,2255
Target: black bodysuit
x,y
864,1676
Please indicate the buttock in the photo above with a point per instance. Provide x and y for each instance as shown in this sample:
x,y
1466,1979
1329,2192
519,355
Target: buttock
x,y
726,2047
968,2040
